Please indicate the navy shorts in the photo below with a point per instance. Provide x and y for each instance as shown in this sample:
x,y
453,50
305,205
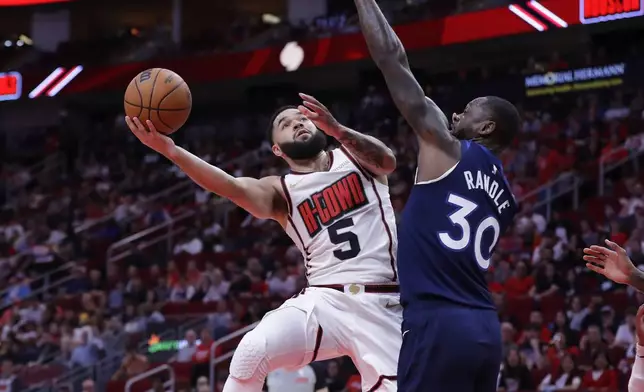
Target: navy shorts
x,y
447,348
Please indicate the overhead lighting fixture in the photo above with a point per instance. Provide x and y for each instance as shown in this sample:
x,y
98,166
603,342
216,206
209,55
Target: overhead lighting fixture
x,y
25,39
271,19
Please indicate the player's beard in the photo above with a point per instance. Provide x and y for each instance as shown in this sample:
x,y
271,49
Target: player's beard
x,y
301,150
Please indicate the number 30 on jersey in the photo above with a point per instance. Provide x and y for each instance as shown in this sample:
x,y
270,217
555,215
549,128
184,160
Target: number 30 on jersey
x,y
460,219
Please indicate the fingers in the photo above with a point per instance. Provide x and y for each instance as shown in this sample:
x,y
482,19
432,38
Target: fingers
x,y
308,113
595,260
316,108
311,99
593,252
151,126
595,268
135,126
640,313
603,250
614,246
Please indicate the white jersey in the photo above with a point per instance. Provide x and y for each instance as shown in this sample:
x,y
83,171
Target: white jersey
x,y
301,380
343,222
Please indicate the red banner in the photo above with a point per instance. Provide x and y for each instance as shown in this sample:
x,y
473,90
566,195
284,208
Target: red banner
x,y
534,16
12,3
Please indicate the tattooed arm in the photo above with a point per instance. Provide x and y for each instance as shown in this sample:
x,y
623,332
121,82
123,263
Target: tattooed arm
x,y
438,149
371,153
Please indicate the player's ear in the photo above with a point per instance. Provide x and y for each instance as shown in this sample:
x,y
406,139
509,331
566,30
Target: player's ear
x,y
487,128
277,150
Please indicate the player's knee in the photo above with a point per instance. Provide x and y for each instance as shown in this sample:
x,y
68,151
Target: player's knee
x,y
250,359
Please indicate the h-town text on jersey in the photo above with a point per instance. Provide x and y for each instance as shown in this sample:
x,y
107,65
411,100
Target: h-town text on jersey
x,y
324,207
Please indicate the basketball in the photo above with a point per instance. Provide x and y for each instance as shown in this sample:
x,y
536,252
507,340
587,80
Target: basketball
x,y
161,96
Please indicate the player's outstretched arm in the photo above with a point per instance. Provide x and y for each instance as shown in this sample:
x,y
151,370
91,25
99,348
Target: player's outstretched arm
x,y
257,196
614,263
422,114
370,152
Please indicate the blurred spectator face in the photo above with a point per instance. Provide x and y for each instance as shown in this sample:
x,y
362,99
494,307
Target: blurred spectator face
x,y
222,307
191,337
546,255
172,266
202,384
295,137
575,304
95,275
560,318
7,368
332,369
88,386
155,270
507,333
601,362
192,265
536,318
550,269
205,335
513,358
132,272
594,335
216,276
520,270
567,364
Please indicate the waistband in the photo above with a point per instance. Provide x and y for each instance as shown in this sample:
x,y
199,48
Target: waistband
x,y
354,288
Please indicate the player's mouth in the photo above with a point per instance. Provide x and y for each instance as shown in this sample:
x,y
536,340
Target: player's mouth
x,y
302,132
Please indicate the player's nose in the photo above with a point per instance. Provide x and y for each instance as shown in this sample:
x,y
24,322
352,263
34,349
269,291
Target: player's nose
x,y
455,117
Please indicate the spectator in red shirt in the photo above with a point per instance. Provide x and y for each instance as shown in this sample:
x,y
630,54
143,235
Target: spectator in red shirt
x,y
601,378
201,357
173,273
549,163
520,283
354,384
590,345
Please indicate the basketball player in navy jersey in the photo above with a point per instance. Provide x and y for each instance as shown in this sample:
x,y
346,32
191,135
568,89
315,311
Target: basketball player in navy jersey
x,y
458,208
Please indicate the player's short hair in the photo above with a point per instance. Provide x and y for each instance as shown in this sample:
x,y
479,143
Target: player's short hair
x,y
269,131
507,120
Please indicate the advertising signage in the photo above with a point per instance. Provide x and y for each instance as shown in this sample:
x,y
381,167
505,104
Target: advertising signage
x,y
572,80
596,11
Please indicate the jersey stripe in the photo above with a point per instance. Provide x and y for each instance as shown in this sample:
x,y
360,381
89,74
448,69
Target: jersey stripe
x,y
289,203
355,162
387,229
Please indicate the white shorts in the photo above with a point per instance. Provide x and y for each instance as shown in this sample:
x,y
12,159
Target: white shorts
x,y
363,326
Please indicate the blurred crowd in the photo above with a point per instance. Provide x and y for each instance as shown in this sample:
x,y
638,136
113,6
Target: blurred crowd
x,y
106,243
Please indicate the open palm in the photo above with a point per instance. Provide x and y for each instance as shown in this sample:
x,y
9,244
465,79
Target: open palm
x,y
611,261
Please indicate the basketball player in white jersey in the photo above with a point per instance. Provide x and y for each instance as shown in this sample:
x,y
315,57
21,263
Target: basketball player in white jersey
x,y
335,206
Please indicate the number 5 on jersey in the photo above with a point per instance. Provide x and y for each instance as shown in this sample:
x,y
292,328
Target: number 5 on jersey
x,y
460,219
345,237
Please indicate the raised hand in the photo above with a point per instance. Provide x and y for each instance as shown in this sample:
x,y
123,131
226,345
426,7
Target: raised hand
x,y
611,261
150,136
315,111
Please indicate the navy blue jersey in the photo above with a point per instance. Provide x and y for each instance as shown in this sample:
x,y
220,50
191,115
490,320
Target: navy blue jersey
x,y
449,229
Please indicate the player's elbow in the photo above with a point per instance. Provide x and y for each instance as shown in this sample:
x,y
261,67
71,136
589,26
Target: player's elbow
x,y
394,56
389,162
